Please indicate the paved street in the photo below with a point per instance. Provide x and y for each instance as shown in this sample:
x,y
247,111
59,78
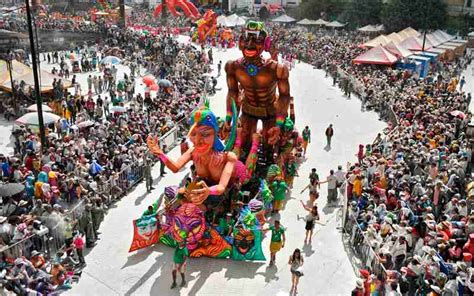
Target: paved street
x,y
112,271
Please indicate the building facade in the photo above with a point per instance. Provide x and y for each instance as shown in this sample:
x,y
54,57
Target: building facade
x,y
460,7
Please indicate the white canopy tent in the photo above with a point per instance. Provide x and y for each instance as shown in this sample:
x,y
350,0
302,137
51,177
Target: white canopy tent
x,y
306,22
320,22
368,29
284,19
231,20
335,24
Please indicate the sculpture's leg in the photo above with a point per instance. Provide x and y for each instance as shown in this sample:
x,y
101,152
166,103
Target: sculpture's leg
x,y
193,9
269,150
183,5
157,11
173,11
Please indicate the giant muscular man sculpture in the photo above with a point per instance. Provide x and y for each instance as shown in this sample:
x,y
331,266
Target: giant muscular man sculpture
x,y
258,78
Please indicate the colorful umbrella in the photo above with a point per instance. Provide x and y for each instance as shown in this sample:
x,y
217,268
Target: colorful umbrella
x,y
148,80
111,60
154,87
164,83
32,118
34,108
118,109
84,124
95,168
457,113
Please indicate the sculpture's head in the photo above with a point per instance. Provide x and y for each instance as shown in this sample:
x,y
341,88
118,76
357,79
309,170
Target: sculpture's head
x,y
188,225
254,40
244,240
210,16
204,130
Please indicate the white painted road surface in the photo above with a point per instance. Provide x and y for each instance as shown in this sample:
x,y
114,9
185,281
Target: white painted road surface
x,y
111,270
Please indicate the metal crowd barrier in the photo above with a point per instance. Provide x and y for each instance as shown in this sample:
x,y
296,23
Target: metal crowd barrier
x,y
361,247
48,240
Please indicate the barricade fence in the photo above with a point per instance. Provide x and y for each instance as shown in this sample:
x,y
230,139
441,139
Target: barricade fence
x,y
361,247
46,239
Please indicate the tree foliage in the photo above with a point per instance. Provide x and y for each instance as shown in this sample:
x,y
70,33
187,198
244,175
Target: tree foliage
x,y
314,9
263,13
419,14
364,12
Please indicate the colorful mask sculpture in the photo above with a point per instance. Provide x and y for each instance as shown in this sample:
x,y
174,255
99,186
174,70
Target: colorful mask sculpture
x,y
187,224
247,237
206,26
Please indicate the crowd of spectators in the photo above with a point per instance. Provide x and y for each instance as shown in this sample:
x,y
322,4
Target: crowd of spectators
x,y
95,153
411,192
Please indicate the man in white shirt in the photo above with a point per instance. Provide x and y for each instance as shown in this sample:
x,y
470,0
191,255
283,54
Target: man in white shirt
x,y
332,188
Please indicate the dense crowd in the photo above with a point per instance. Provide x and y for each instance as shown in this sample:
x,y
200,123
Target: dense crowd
x,y
410,191
95,152
55,21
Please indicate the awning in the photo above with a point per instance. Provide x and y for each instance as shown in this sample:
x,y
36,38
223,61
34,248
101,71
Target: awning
x,y
21,72
376,56
335,24
437,50
235,20
284,19
395,38
320,22
415,43
398,50
306,22
380,40
223,21
447,46
433,39
368,29
443,35
409,32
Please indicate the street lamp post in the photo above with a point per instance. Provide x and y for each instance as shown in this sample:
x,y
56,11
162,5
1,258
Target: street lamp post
x,y
122,13
9,60
164,13
37,92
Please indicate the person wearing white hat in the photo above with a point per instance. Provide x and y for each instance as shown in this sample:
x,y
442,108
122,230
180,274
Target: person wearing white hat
x,y
359,289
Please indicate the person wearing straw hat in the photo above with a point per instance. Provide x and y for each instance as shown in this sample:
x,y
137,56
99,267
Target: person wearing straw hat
x,y
359,289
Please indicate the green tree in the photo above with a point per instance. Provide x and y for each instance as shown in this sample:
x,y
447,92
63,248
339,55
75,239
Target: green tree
x,y
263,13
314,9
364,12
419,14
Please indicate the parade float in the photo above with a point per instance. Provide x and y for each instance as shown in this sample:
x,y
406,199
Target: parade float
x,y
206,27
188,8
220,210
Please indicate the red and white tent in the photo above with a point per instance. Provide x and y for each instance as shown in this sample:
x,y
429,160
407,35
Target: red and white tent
x,y
398,50
376,56
415,43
